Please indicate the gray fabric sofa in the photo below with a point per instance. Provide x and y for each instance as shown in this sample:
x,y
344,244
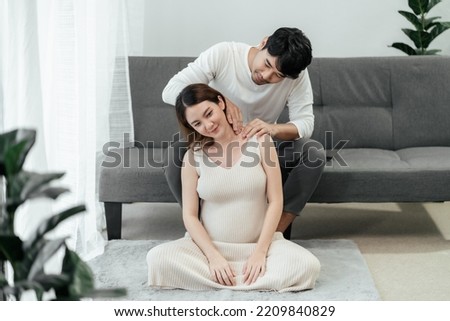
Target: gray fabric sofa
x,y
385,122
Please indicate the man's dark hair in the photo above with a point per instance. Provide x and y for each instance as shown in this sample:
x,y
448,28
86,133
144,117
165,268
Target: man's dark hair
x,y
293,50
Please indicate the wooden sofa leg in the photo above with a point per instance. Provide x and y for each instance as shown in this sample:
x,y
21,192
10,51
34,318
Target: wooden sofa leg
x,y
113,213
440,214
287,232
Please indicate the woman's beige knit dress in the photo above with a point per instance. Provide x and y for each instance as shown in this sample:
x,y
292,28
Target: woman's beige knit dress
x,y
233,207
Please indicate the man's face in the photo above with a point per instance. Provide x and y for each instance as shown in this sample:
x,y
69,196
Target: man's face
x,y
263,69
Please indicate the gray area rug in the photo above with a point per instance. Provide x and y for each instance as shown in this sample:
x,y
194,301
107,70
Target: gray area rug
x,y
344,275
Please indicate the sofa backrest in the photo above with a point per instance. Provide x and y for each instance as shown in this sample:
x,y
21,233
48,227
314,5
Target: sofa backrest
x,y
421,100
155,122
382,102
371,102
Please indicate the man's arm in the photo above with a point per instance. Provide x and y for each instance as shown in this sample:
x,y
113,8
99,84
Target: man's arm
x,y
300,107
301,117
285,131
202,70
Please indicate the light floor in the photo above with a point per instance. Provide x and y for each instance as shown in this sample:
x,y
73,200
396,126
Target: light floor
x,y
407,255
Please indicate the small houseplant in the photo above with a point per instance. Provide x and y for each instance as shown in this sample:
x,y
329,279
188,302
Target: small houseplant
x,y
426,29
28,257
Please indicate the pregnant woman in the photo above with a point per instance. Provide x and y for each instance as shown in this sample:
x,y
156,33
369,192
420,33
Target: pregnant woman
x,y
232,203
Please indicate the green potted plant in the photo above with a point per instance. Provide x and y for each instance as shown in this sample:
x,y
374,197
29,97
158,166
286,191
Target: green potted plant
x,y
28,257
426,29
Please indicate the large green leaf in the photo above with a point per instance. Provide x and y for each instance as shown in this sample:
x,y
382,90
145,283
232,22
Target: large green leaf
x,y
3,219
50,223
405,48
418,6
412,18
3,281
421,39
82,279
81,283
10,248
24,184
37,182
30,254
46,252
15,157
438,29
429,22
52,281
42,283
14,147
48,192
432,3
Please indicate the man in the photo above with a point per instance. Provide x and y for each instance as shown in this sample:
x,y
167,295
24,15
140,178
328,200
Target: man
x,y
258,83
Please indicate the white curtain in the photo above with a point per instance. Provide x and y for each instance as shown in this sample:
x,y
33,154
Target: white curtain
x,y
64,72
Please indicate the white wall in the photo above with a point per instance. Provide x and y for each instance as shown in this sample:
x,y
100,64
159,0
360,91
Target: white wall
x,y
336,28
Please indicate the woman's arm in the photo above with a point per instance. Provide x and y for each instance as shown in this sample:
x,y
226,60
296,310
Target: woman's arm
x,y
255,265
220,269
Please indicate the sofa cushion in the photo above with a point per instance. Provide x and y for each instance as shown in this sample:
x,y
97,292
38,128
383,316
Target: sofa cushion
x,y
354,175
358,126
373,175
134,175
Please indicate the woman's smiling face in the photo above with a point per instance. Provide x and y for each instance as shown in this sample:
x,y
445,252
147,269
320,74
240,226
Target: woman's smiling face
x,y
207,118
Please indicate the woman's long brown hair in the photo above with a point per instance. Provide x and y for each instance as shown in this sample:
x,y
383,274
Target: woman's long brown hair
x,y
192,95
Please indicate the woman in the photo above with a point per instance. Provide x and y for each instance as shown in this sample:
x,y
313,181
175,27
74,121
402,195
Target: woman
x,y
236,184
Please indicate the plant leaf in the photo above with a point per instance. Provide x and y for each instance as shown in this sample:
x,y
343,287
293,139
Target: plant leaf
x,y
432,51
46,252
405,48
23,285
10,248
37,242
50,223
23,184
37,181
439,28
421,39
52,281
106,293
14,158
23,137
412,18
48,192
3,281
432,3
428,23
82,279
418,6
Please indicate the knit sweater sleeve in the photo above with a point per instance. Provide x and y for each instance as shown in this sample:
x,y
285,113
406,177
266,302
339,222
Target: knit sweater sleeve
x,y
300,105
202,70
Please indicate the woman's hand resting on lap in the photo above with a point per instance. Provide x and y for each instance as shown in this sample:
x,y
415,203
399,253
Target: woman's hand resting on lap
x,y
221,271
254,267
